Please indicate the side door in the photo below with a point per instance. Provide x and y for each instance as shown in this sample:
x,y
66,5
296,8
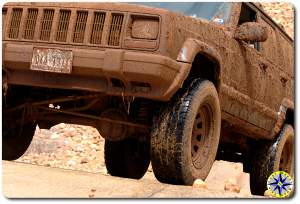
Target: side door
x,y
254,78
278,52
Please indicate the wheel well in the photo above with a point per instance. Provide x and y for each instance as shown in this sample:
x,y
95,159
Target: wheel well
x,y
205,67
289,118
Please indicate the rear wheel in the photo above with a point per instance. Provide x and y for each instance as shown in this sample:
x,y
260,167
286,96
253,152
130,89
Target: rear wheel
x,y
128,158
185,138
271,156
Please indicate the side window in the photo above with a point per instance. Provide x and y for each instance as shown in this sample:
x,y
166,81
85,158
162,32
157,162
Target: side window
x,y
248,15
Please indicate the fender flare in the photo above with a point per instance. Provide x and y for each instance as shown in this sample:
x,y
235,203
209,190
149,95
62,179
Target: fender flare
x,y
286,105
191,47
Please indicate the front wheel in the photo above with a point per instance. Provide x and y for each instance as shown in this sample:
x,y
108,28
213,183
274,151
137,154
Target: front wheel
x,y
185,138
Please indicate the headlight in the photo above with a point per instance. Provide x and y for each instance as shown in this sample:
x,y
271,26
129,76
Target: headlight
x,y
144,28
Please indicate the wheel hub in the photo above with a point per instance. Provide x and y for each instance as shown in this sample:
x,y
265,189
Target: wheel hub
x,y
201,136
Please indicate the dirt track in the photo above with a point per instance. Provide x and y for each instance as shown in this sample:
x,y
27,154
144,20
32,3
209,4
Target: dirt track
x,y
80,148
32,181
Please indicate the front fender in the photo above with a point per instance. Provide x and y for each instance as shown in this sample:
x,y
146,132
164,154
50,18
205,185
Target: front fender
x,y
191,47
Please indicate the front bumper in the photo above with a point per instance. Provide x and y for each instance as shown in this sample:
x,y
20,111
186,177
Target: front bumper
x,y
110,71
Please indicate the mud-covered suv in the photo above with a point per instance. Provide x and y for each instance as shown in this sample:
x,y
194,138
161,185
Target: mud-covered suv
x,y
177,84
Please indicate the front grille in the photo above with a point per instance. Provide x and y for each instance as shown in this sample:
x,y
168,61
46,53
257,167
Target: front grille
x,y
80,26
115,29
59,25
30,24
15,23
63,25
46,24
97,29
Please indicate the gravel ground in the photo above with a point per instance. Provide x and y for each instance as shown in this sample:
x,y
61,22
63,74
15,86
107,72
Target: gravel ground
x,y
68,146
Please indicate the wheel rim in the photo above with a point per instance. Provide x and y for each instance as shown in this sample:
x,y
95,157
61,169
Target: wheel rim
x,y
202,130
286,157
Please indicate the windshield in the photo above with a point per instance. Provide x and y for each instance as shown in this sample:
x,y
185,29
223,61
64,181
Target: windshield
x,y
218,11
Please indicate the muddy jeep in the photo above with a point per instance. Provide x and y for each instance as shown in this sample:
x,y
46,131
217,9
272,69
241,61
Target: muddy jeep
x,y
177,84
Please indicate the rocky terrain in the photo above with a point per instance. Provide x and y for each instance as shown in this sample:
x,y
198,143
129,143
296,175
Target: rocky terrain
x,y
67,146
282,13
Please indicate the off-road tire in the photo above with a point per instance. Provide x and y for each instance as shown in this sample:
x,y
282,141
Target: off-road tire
x,y
128,158
171,138
267,158
15,141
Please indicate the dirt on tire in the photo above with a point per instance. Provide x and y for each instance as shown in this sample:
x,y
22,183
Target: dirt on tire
x,y
268,157
171,139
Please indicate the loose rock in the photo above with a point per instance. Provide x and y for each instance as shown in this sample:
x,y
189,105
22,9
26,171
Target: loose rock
x,y
84,161
71,163
198,183
55,136
232,185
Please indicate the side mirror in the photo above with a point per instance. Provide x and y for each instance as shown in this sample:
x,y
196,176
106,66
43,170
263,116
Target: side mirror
x,y
251,31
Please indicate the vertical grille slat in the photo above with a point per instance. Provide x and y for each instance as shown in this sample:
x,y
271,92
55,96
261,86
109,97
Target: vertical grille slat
x,y
30,24
46,24
80,26
15,23
115,29
97,29
63,24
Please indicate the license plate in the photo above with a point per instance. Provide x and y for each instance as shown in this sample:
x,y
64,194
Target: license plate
x,y
52,60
